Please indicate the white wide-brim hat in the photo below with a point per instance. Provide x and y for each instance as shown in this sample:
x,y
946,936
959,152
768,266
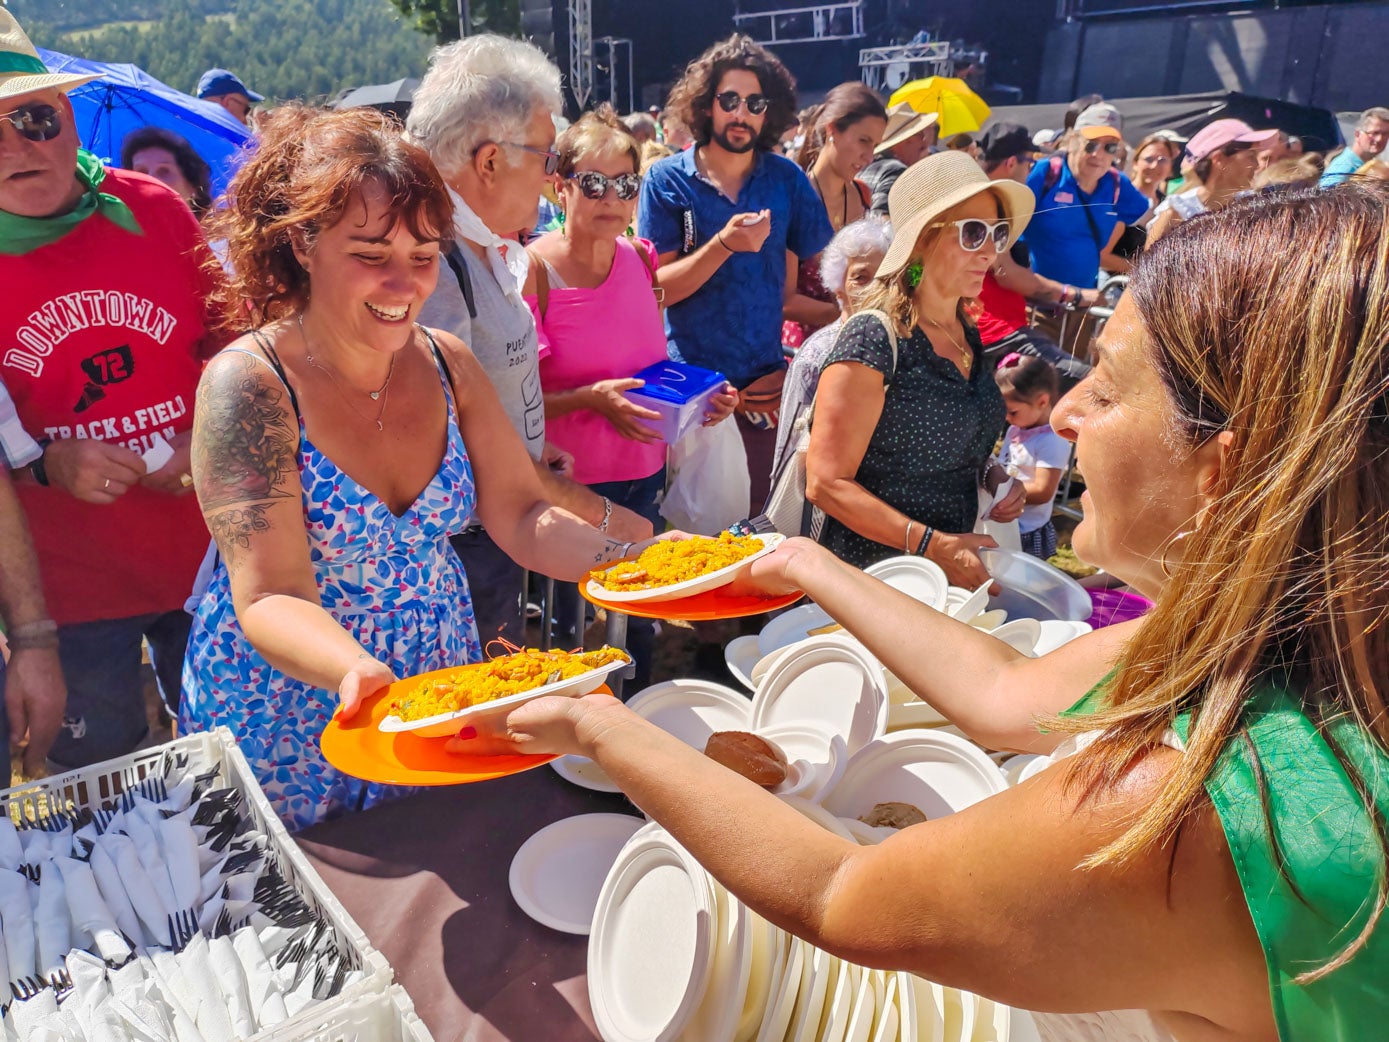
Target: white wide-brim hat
x,y
21,69
937,184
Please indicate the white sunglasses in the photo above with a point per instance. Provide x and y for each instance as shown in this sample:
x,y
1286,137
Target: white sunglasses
x,y
974,232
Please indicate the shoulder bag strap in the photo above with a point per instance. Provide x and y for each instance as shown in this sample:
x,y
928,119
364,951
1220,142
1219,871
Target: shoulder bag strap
x,y
643,247
465,282
542,282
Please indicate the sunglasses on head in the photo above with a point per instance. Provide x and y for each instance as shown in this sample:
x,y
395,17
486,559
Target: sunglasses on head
x,y
975,232
729,101
36,121
1111,148
595,185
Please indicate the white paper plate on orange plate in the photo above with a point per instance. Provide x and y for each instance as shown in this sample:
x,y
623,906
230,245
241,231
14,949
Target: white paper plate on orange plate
x,y
918,578
692,710
446,725
556,875
830,684
651,949
936,773
687,587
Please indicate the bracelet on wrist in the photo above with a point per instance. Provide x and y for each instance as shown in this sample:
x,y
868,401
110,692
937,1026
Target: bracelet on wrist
x,y
725,245
607,514
37,469
925,541
41,633
907,539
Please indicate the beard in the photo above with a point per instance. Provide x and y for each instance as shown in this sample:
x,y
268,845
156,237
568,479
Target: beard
x,y
720,138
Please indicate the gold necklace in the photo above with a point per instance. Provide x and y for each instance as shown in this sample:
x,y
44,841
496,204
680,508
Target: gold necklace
x,y
966,359
383,393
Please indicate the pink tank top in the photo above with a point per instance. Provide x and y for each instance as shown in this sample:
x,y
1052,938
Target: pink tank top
x,y
588,335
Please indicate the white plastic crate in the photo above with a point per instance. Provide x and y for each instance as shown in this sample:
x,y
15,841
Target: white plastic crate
x,y
387,1016
90,788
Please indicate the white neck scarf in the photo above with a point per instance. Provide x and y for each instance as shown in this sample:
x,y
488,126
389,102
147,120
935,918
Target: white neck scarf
x,y
506,256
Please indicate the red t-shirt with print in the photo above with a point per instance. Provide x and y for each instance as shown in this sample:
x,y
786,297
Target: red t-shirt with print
x,y
1004,311
103,335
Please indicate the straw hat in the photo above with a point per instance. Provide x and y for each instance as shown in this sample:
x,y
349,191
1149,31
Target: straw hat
x,y
903,122
21,70
938,183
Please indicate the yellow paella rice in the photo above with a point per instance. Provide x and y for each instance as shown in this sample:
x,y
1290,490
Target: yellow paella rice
x,y
501,677
675,560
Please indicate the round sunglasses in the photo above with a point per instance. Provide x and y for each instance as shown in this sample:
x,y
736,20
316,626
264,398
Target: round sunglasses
x,y
595,185
729,101
36,121
975,232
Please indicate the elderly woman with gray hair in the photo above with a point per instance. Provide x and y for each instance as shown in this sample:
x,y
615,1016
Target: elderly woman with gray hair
x,y
485,114
846,269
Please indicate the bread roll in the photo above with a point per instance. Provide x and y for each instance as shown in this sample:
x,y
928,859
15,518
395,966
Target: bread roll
x,y
756,759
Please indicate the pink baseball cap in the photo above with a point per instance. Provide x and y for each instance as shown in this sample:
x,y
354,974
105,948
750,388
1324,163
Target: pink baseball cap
x,y
1222,132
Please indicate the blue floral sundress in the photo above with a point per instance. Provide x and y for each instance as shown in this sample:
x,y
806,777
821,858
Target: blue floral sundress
x,y
393,583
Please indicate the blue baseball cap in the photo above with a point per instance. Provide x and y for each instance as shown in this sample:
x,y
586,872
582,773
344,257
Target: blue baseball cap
x,y
216,82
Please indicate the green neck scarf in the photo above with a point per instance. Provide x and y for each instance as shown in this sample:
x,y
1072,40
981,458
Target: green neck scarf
x,y
21,235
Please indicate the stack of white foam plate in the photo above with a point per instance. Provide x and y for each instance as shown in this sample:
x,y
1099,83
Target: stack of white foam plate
x,y
826,683
674,957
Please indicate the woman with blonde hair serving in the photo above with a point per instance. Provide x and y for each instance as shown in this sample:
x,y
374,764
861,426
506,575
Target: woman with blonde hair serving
x,y
903,436
1211,860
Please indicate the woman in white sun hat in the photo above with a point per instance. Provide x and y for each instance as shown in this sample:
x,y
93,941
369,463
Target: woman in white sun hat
x,y
902,436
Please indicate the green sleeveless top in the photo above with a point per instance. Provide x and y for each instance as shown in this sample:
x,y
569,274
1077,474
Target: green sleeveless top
x,y
1307,911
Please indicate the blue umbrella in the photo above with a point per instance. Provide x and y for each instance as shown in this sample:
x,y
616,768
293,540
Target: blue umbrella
x,y
127,98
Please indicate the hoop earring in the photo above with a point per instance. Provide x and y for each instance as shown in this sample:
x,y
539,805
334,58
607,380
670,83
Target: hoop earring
x,y
1167,547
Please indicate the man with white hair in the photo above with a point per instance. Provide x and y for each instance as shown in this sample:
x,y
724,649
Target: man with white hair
x,y
1371,136
485,113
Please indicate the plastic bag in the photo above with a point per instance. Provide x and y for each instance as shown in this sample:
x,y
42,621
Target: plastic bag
x,y
709,486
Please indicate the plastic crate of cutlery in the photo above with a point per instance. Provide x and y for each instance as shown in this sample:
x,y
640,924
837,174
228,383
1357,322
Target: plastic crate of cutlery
x,y
387,1016
100,785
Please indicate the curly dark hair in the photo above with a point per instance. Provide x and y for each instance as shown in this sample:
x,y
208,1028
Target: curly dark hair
x,y
692,99
194,168
307,167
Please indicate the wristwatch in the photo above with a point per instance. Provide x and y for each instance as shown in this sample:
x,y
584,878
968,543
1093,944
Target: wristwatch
x,y
40,474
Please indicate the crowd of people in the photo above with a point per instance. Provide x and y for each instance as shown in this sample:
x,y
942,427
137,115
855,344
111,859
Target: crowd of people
x,y
399,380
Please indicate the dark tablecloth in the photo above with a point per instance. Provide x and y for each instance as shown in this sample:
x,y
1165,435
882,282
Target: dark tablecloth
x,y
426,878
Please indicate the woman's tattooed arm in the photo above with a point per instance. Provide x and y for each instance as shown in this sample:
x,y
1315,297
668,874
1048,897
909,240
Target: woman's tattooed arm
x,y
244,451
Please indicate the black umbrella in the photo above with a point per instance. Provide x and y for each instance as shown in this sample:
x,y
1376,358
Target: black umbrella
x,y
393,98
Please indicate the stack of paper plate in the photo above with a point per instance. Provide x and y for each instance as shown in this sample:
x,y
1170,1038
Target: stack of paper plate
x,y
674,956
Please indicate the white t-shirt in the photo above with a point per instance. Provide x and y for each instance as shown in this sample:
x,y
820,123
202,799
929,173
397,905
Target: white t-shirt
x,y
1024,453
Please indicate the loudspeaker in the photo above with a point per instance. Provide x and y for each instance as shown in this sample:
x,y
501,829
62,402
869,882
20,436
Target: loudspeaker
x,y
538,21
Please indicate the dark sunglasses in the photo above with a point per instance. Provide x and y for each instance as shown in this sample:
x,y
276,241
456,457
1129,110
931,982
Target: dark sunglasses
x,y
1111,148
36,121
974,233
551,156
595,185
729,101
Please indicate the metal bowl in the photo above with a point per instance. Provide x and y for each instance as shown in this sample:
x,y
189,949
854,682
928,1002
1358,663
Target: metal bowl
x,y
1033,589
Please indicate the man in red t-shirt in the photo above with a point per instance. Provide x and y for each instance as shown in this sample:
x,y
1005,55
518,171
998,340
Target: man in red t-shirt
x,y
103,329
1008,154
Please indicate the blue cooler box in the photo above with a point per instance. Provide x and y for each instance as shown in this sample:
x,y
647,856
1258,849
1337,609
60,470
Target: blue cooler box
x,y
679,392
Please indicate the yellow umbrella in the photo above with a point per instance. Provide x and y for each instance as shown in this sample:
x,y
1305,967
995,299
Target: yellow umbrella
x,y
960,110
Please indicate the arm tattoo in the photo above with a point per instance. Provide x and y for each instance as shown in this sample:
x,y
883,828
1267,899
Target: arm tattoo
x,y
232,528
243,448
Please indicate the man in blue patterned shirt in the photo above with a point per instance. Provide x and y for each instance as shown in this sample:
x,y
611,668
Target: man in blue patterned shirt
x,y
727,217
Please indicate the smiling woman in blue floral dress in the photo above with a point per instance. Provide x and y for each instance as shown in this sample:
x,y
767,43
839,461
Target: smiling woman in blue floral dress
x,y
335,448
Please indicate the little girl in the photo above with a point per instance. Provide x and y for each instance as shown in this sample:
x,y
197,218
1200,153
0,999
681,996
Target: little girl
x,y
1032,452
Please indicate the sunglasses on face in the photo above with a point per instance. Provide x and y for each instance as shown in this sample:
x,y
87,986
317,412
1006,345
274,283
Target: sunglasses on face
x,y
36,121
974,233
595,185
729,101
551,156
1111,148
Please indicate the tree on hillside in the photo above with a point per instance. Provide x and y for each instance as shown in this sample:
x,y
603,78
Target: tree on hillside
x,y
440,18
